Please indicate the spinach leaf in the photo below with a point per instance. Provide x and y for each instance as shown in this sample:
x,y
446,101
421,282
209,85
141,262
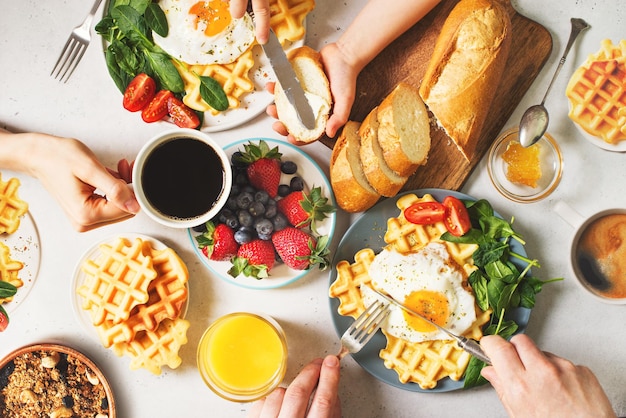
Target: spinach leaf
x,y
472,373
156,19
7,290
213,93
132,25
479,283
165,71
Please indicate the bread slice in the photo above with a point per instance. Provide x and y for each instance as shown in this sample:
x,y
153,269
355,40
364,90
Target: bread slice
x,y
382,178
465,69
307,66
404,130
350,186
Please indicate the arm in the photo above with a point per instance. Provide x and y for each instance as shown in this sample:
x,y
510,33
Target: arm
x,y
71,173
531,383
313,393
261,10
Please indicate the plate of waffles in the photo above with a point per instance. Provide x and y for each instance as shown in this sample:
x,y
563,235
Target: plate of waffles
x,y
428,366
129,290
313,177
243,80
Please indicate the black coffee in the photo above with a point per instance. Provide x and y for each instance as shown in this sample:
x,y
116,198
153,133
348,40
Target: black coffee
x,y
183,178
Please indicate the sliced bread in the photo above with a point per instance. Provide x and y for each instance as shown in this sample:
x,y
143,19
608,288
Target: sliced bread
x,y
382,178
404,130
350,186
308,68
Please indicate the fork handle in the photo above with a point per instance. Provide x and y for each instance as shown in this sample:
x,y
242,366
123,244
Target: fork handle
x,y
472,347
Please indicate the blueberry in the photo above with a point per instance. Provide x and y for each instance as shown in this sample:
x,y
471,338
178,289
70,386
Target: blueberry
x,y
234,190
270,211
236,160
244,217
283,190
265,237
241,179
280,222
223,215
261,196
244,199
288,167
231,203
232,221
296,184
264,227
249,189
243,236
256,209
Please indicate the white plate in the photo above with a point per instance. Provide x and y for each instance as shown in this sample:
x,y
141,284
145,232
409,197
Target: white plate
x,y
597,141
25,247
253,103
79,276
313,176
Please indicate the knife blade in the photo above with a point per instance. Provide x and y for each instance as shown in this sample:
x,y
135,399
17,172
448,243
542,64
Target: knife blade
x,y
289,80
467,344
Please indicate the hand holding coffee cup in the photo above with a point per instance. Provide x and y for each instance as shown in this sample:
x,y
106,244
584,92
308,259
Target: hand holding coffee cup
x,y
182,178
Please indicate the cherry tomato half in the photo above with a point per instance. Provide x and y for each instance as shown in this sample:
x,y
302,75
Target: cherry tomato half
x,y
4,319
425,213
139,93
157,108
181,114
456,219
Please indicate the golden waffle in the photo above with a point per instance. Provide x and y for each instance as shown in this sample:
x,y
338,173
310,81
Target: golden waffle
x,y
597,93
427,362
116,281
287,18
350,277
232,77
167,295
153,349
9,270
11,206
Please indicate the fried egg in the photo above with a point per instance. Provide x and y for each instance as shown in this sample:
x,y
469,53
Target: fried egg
x,y
428,282
203,32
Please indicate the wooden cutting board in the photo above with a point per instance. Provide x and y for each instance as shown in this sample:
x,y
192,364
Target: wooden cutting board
x,y
406,60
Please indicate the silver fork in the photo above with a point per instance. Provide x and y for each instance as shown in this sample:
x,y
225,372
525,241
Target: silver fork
x,y
363,328
75,47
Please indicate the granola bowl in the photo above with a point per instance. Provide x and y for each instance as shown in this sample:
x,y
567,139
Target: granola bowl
x,y
53,380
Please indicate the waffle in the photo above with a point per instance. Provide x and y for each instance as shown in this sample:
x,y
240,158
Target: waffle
x,y
9,270
11,206
424,363
232,77
287,18
153,349
597,93
116,281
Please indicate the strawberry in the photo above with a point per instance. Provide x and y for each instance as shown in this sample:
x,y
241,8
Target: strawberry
x,y
303,209
254,259
218,242
299,250
263,166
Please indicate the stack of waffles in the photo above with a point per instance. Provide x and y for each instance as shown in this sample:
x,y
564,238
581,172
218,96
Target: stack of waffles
x,y
135,296
12,208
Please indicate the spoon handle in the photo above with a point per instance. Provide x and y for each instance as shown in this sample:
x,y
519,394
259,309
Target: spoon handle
x,y
578,25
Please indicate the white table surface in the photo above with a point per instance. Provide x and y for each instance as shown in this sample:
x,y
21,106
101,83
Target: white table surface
x,y
565,320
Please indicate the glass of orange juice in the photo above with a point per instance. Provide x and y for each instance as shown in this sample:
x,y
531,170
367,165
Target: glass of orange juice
x,y
243,356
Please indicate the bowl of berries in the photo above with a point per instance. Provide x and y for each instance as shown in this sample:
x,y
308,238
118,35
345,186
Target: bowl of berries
x,y
278,222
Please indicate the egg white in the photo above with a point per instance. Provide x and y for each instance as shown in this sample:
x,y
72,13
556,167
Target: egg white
x,y
431,269
191,45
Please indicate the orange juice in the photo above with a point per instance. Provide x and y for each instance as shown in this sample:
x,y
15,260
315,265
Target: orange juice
x,y
243,356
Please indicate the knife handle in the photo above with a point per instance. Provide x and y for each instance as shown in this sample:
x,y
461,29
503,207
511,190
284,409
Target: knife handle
x,y
472,347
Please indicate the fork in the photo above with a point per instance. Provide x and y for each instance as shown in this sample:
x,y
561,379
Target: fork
x,y
75,47
363,328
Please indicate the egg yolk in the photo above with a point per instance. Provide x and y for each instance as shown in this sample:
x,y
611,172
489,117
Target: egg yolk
x,y
432,305
215,14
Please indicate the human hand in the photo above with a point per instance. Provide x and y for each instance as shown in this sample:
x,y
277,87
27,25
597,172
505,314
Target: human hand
x,y
313,393
261,10
533,383
71,173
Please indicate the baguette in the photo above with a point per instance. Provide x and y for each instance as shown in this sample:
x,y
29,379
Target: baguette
x,y
350,186
465,69
404,130
308,68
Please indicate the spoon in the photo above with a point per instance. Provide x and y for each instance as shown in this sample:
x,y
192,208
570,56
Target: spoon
x,y
535,120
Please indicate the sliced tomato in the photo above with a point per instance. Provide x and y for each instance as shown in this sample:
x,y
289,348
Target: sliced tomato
x,y
456,219
139,93
182,115
157,108
4,319
425,213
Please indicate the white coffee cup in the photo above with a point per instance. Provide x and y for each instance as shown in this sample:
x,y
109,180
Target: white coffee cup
x,y
182,178
598,252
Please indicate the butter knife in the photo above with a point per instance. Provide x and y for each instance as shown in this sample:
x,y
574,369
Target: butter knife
x,y
289,80
467,344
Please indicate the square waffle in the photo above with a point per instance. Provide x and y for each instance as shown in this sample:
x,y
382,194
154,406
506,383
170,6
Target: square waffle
x,y
116,281
424,363
11,206
9,270
287,18
597,93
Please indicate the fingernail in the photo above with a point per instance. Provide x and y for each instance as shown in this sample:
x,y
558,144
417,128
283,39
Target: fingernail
x,y
132,206
331,361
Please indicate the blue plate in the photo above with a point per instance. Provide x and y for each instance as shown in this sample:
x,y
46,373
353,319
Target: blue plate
x,y
368,231
313,176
